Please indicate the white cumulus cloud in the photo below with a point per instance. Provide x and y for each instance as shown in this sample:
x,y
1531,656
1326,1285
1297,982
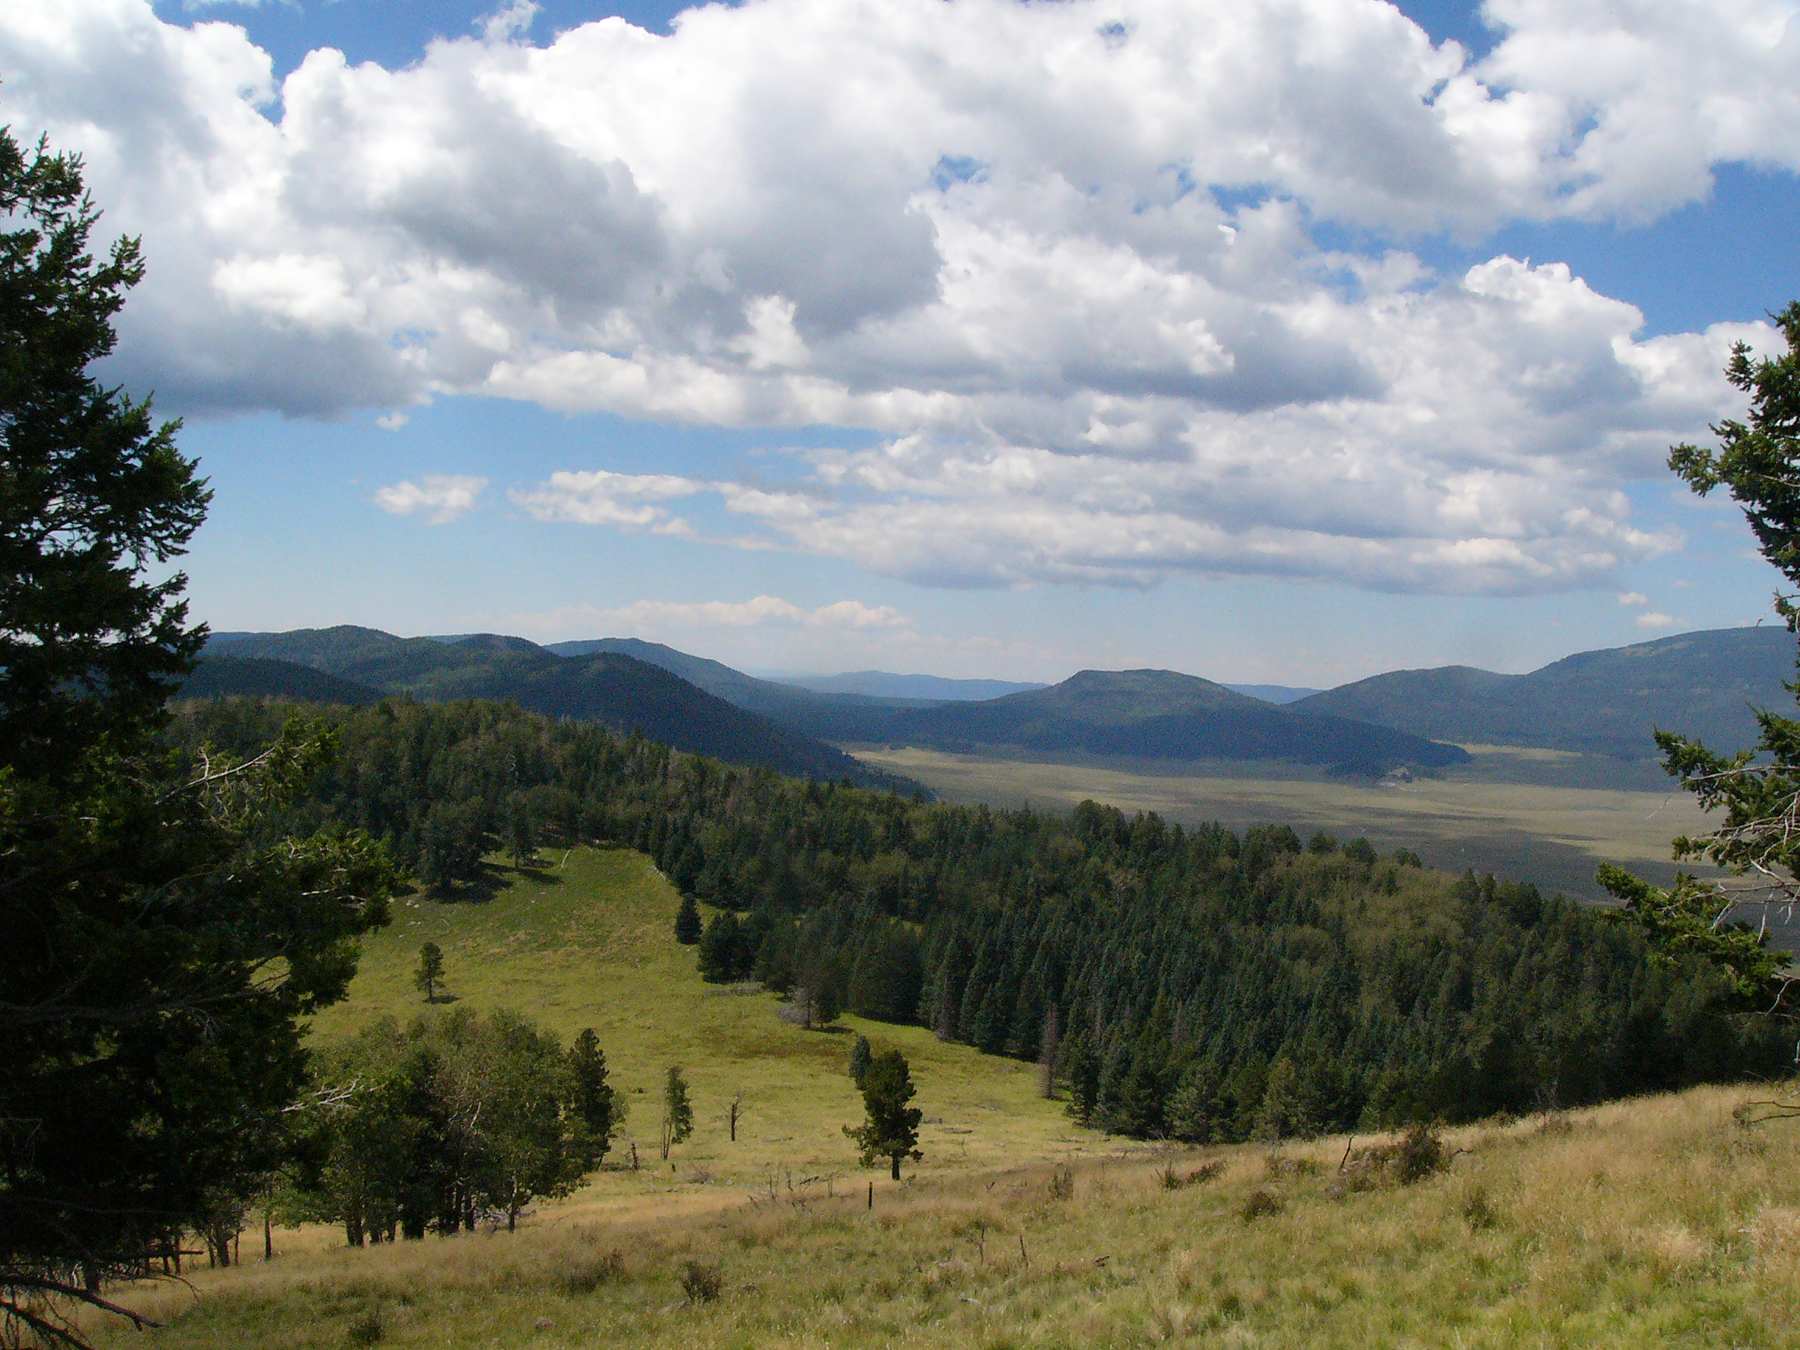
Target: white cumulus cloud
x,y
440,497
1063,258
1656,621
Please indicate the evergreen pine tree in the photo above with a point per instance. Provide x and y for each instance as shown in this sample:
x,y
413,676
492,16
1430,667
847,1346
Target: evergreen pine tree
x,y
687,922
430,973
678,1111
891,1129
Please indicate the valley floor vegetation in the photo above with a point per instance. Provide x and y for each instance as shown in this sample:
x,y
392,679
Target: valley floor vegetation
x,y
1661,1221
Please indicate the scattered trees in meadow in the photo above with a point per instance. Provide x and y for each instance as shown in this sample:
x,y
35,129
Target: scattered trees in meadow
x,y
891,1127
430,972
678,1110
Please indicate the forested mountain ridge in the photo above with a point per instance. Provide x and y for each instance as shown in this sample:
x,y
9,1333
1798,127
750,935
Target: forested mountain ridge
x,y
1198,984
266,677
1701,684
1164,715
1140,714
610,688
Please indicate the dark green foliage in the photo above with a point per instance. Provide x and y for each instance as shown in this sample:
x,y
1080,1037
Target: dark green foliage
x,y
92,493
592,1102
687,922
456,1120
678,1110
161,935
861,1056
891,1129
430,973
1756,791
253,677
724,954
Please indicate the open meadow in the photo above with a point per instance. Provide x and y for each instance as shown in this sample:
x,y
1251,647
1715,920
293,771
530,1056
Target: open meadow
x,y
587,940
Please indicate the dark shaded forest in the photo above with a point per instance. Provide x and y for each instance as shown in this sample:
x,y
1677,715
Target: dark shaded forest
x,y
1185,983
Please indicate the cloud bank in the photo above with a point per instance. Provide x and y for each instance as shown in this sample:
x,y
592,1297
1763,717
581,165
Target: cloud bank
x,y
1065,258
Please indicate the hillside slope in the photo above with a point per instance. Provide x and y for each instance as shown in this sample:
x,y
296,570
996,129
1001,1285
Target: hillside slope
x,y
613,689
1159,714
264,677
1601,702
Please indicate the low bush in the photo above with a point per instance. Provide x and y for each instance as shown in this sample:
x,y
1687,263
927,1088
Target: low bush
x,y
701,1283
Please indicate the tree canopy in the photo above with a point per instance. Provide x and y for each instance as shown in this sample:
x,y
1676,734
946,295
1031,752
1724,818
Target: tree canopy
x,y
1755,792
164,930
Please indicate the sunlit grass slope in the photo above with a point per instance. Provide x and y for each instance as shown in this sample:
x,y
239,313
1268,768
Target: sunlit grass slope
x,y
588,940
1652,1223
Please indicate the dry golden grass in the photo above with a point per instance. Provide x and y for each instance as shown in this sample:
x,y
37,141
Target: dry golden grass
x,y
1648,1223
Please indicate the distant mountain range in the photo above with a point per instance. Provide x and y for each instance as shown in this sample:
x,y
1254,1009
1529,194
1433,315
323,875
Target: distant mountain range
x,y
1605,702
706,706
1144,714
611,688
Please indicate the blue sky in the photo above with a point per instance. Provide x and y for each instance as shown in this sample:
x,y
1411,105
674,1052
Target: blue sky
x,y
1272,341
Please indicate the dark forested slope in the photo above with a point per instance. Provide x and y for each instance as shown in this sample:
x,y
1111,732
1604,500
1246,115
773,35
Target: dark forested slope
x,y
1605,702
264,677
613,689
1197,984
1160,714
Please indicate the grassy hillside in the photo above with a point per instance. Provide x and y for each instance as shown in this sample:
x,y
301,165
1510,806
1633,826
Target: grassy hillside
x,y
588,941
1608,702
1644,1224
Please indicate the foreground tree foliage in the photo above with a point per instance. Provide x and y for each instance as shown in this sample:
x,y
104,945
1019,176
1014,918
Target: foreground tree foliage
x,y
1193,983
456,1121
1757,791
162,931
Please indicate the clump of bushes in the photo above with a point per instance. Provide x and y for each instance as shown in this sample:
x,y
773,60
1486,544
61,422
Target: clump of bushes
x,y
584,1272
1259,1204
1062,1182
1417,1154
1173,1180
701,1283
366,1329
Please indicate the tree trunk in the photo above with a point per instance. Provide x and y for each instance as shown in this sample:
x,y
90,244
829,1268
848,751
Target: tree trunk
x,y
268,1238
895,1159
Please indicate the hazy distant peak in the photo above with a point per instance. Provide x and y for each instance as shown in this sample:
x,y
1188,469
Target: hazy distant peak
x,y
886,684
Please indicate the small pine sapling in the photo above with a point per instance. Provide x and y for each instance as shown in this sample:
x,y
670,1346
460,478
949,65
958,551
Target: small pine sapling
x,y
430,973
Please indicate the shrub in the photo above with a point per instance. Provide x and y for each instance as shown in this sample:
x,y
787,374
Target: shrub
x,y
1259,1204
1062,1183
365,1330
584,1272
701,1283
1478,1210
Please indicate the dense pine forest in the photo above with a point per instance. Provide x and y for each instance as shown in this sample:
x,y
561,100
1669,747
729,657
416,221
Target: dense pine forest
x,y
1194,984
